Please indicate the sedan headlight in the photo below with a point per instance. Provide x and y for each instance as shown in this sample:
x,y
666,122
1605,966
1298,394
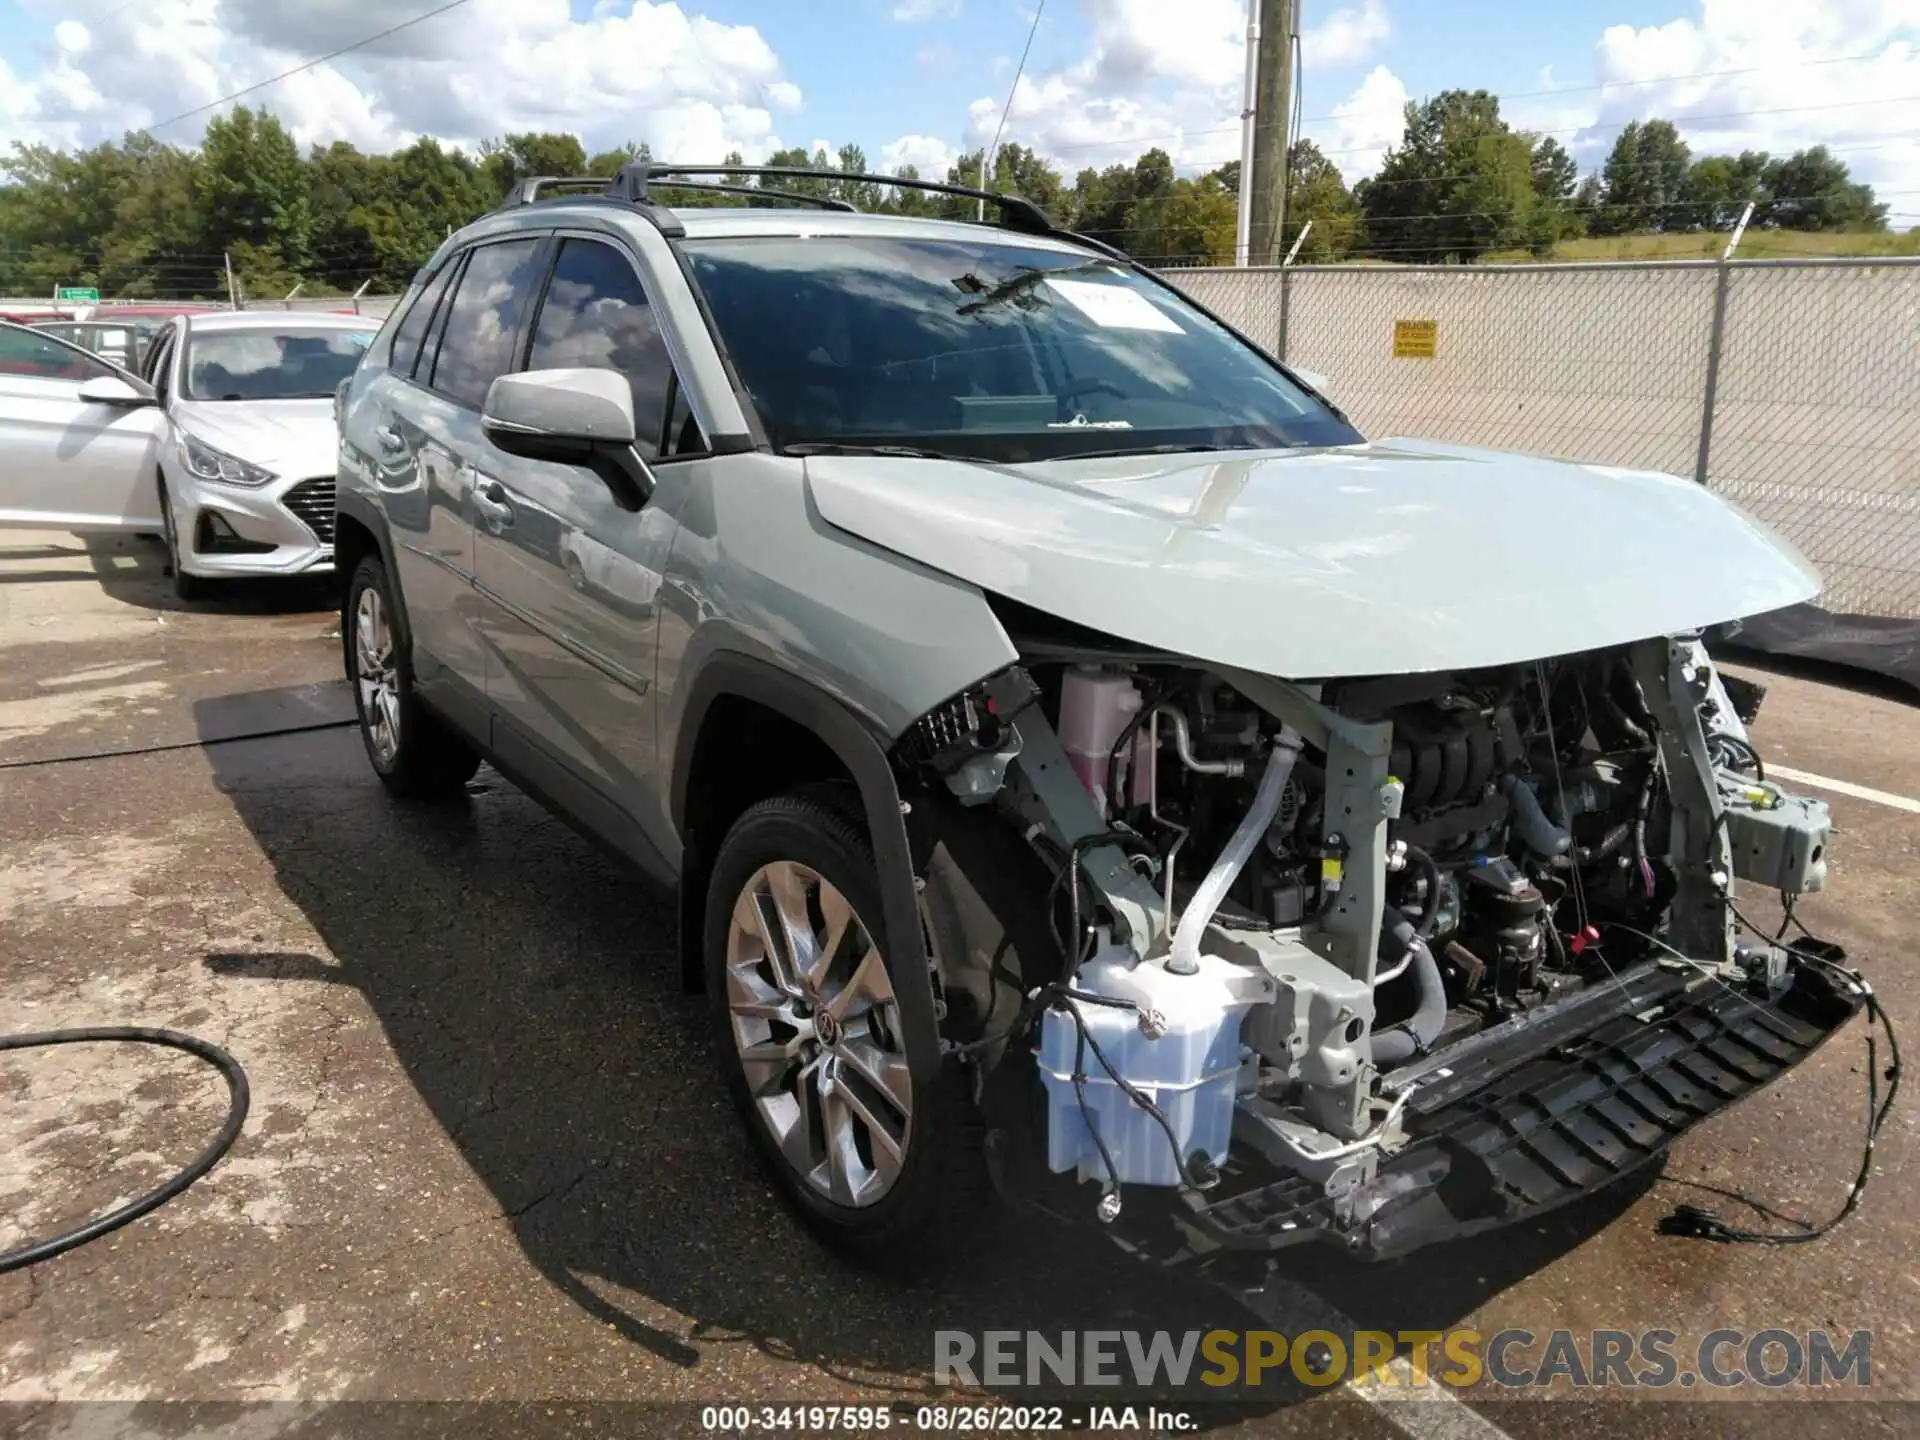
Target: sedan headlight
x,y
203,462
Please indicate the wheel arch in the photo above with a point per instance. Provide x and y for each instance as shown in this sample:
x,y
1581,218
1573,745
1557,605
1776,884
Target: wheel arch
x,y
749,731
360,530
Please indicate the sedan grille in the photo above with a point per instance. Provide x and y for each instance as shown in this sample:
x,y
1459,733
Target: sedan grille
x,y
312,501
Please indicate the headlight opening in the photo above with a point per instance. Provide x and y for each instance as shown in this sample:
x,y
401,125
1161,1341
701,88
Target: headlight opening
x,y
204,462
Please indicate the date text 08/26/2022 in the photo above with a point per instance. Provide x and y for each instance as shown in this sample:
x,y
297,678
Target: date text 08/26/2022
x,y
943,1419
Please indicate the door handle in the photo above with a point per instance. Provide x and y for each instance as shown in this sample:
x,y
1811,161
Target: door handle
x,y
490,499
389,439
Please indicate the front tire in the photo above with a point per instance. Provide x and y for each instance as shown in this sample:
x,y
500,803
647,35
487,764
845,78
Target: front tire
x,y
186,588
412,750
801,983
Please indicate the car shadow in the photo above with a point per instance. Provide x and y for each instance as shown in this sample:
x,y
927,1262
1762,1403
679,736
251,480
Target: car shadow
x,y
133,570
528,985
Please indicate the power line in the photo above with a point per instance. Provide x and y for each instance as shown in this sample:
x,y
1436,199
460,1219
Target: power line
x,y
987,155
306,65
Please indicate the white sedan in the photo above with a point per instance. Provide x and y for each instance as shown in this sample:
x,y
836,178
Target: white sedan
x,y
225,445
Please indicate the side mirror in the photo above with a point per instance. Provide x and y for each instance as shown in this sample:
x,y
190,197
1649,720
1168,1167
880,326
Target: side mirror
x,y
571,417
1314,381
112,390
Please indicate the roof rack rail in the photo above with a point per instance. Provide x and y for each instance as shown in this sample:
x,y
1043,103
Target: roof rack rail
x,y
1017,212
526,191
825,202
636,179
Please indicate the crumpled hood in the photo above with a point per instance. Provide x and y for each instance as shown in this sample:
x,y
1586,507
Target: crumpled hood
x,y
289,437
1395,556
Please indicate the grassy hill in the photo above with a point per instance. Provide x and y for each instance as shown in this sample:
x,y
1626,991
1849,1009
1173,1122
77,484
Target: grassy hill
x,y
1707,245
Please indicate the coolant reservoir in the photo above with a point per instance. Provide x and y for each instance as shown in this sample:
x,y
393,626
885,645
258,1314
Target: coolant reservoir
x,y
1095,706
1189,1071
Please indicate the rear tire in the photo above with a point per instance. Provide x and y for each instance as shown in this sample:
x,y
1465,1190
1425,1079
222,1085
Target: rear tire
x,y
413,751
873,1164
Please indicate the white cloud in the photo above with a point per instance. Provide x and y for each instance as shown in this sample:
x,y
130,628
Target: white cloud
x,y
926,153
1347,36
917,12
1365,125
1802,82
657,72
1167,74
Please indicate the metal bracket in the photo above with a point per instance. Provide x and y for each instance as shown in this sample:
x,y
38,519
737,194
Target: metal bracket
x,y
1675,685
1046,792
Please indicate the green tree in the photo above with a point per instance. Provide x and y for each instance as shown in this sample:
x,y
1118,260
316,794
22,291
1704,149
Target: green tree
x,y
1554,172
1101,204
1316,194
1810,190
250,189
861,194
1460,182
908,202
1645,180
1719,188
608,162
508,161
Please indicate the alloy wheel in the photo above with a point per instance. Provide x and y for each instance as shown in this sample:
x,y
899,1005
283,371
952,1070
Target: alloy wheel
x,y
817,1028
377,673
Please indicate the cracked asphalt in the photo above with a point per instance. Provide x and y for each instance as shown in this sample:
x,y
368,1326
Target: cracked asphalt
x,y
489,1158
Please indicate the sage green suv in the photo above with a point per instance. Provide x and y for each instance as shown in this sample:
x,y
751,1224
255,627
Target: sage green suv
x,y
1090,770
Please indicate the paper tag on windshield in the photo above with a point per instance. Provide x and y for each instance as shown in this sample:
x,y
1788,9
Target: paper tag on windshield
x,y
1114,307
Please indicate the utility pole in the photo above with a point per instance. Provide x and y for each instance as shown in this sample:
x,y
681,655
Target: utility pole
x,y
1249,118
1272,113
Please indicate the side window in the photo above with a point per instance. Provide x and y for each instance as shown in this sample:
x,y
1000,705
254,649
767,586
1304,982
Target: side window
x,y
683,435
405,352
482,330
596,315
22,352
159,368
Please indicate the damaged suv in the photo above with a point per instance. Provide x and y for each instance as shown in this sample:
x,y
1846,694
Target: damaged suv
x,y
1090,769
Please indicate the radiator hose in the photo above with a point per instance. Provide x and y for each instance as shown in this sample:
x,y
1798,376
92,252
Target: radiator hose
x,y
1185,959
1412,1036
237,1102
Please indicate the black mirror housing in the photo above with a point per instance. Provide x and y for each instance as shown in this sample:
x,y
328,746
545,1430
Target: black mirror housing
x,y
621,470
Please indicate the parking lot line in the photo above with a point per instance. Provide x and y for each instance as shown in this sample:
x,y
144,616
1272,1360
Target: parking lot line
x,y
1424,1412
1847,787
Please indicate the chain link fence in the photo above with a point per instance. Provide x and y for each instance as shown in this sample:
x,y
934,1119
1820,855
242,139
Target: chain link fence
x,y
1792,387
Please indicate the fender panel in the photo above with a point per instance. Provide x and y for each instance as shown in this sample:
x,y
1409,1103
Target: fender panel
x,y
728,673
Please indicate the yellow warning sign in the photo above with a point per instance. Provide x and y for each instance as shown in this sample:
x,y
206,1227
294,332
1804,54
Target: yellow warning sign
x,y
1415,339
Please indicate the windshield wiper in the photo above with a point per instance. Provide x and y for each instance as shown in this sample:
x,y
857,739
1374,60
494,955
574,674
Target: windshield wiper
x,y
901,452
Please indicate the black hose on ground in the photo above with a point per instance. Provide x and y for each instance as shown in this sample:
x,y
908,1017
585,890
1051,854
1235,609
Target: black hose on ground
x,y
238,1098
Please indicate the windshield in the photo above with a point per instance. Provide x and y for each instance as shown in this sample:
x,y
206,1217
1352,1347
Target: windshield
x,y
987,350
271,364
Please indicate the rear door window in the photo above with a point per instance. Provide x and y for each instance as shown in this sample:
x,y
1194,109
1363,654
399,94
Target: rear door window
x,y
596,316
413,325
480,339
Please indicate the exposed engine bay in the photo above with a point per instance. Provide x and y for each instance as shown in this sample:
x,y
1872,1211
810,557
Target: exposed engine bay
x,y
1292,921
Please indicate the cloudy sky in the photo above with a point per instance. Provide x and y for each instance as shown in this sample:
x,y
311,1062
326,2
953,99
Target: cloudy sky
x,y
917,80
